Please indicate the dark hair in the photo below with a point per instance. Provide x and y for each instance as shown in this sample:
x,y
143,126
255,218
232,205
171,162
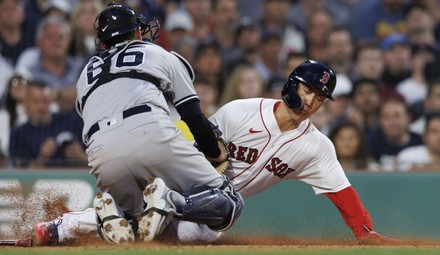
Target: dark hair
x,y
365,45
38,84
357,83
413,6
431,85
9,102
430,116
202,80
394,99
206,45
361,154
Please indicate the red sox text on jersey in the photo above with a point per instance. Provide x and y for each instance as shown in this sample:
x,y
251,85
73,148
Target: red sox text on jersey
x,y
249,155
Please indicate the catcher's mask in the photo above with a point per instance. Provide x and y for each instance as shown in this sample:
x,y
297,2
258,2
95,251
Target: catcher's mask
x,y
313,74
118,20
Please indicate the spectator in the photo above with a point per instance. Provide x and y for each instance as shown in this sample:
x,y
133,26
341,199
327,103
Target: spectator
x,y
226,21
392,135
251,8
51,62
186,47
340,51
340,57
46,139
430,104
244,82
351,148
247,39
13,39
201,13
414,88
13,101
268,64
208,95
57,8
376,19
11,110
368,61
83,30
275,18
419,24
319,25
6,72
33,15
339,111
397,57
208,63
433,7
423,157
366,103
342,11
178,25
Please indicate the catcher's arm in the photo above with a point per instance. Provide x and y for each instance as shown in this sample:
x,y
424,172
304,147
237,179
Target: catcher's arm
x,y
199,126
221,163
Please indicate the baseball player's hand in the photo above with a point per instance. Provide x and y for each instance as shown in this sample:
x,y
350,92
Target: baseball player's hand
x,y
221,163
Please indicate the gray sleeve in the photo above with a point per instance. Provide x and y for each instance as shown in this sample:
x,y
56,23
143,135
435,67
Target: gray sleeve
x,y
181,75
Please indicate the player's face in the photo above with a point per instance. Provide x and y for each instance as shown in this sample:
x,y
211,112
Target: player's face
x,y
312,100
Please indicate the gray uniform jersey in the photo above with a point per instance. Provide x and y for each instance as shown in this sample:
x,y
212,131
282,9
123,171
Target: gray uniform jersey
x,y
174,73
126,151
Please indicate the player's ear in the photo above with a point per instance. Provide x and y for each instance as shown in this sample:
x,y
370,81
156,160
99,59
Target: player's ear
x,y
138,33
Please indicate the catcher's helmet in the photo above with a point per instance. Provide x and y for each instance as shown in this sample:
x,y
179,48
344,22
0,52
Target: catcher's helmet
x,y
313,74
117,20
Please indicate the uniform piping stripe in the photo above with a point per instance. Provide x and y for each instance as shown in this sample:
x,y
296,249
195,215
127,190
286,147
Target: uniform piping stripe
x,y
265,164
185,99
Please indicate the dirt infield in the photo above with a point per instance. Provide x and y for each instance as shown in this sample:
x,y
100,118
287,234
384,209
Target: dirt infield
x,y
56,207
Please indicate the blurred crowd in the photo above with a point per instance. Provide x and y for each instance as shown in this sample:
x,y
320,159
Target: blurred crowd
x,y
386,55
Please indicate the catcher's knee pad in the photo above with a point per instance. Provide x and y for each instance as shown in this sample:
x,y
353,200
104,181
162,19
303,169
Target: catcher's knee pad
x,y
112,227
218,208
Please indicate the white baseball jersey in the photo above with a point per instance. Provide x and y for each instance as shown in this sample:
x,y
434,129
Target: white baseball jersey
x,y
262,155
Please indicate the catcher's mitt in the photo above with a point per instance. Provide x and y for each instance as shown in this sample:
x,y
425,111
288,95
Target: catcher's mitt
x,y
221,167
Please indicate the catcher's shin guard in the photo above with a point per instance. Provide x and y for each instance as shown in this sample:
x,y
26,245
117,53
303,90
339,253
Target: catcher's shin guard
x,y
112,227
218,208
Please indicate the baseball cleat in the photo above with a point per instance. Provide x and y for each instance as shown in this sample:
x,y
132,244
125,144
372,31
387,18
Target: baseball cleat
x,y
158,212
371,237
45,233
112,227
374,238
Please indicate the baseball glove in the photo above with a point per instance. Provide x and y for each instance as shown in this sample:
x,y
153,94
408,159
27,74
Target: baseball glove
x,y
221,167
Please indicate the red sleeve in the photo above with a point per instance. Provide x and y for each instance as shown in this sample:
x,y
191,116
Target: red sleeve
x,y
351,209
